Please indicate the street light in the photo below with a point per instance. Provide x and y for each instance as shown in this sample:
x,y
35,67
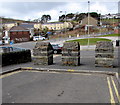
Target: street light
x,y
65,20
88,22
100,22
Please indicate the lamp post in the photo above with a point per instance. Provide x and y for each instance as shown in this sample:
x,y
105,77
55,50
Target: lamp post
x,y
100,22
65,20
88,22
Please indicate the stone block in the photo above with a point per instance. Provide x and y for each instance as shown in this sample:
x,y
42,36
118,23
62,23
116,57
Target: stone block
x,y
104,54
71,54
43,53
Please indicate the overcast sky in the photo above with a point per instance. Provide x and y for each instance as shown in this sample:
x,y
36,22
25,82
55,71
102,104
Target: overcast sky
x,y
32,10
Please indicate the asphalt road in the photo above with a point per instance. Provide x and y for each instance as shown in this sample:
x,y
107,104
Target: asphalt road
x,y
41,87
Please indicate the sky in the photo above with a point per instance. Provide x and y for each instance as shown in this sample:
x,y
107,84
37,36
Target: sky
x,y
28,9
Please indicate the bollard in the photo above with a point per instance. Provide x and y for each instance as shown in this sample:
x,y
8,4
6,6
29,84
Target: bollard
x,y
117,42
71,54
104,54
43,53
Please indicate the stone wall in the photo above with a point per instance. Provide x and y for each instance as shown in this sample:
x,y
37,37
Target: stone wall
x,y
71,54
43,53
104,54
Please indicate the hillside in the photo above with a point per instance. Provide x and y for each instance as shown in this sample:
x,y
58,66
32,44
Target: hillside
x,y
6,20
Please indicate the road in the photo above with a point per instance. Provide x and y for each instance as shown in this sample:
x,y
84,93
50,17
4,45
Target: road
x,y
44,87
31,44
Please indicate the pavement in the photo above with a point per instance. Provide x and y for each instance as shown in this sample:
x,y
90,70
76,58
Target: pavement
x,y
87,62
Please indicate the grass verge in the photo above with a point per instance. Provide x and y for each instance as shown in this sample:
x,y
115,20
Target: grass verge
x,y
114,35
92,41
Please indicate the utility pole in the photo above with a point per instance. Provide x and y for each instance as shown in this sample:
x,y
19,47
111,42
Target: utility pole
x,y
65,23
100,22
65,20
88,22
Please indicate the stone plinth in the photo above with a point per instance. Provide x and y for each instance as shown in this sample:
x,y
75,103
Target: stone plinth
x,y
104,54
43,53
71,54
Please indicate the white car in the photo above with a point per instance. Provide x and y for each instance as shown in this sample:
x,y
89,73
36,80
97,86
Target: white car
x,y
6,40
35,38
1,42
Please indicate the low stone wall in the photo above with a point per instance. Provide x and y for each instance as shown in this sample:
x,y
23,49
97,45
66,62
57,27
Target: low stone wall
x,y
104,54
43,53
11,55
71,54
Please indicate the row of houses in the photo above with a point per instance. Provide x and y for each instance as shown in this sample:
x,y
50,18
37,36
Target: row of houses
x,y
111,16
50,26
19,32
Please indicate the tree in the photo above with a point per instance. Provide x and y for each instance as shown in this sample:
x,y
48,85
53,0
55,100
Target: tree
x,y
80,16
37,20
70,16
95,15
45,30
62,18
45,18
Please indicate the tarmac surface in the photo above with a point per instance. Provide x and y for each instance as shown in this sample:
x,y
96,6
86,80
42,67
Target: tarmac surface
x,y
52,87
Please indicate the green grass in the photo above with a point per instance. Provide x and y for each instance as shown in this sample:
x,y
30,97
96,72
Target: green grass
x,y
116,35
110,20
92,41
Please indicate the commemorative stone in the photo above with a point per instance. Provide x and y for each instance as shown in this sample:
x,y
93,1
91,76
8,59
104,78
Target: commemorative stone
x,y
104,54
43,53
71,54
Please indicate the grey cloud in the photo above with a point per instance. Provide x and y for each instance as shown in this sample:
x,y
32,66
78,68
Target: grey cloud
x,y
29,7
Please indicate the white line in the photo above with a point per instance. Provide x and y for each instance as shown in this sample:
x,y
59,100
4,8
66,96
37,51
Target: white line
x,y
116,90
112,100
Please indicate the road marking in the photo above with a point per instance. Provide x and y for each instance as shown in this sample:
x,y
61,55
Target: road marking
x,y
9,74
28,68
112,100
70,70
116,91
54,56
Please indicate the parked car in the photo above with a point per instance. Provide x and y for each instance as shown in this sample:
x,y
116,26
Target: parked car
x,y
35,38
57,48
6,40
1,42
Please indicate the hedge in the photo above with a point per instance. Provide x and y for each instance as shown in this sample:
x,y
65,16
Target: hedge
x,y
16,57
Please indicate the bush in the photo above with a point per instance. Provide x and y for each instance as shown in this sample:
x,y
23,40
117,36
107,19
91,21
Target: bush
x,y
15,57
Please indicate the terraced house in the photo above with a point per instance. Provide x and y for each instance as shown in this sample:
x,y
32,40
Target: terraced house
x,y
57,25
92,21
9,25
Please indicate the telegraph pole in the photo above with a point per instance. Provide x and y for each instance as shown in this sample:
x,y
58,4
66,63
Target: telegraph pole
x,y
65,20
88,22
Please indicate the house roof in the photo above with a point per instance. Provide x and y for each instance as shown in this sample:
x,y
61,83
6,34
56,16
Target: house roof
x,y
27,25
53,23
89,18
18,28
10,23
